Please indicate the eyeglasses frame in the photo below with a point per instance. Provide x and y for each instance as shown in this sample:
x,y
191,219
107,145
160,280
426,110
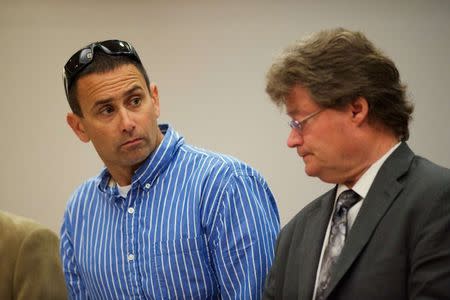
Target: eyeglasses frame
x,y
299,125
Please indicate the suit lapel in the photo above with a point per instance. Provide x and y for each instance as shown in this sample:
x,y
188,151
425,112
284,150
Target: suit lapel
x,y
310,246
381,195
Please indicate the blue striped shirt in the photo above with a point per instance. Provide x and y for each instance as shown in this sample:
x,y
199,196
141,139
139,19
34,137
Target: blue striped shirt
x,y
194,225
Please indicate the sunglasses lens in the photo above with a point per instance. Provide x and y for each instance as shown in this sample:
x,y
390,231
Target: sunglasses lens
x,y
79,59
116,47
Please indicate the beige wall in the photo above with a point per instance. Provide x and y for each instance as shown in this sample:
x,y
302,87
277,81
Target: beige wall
x,y
209,59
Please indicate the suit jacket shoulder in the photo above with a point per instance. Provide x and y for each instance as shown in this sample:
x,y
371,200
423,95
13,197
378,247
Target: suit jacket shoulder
x,y
31,267
399,246
298,249
298,221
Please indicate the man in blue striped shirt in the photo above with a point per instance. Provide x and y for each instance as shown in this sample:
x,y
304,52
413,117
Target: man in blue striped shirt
x,y
163,220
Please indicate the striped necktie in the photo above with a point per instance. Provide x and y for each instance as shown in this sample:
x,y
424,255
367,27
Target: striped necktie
x,y
336,239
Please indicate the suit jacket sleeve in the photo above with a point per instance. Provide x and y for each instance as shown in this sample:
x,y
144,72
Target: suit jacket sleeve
x,y
38,272
270,284
430,267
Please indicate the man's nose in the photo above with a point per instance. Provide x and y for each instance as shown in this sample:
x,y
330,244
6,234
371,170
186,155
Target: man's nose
x,y
126,121
294,139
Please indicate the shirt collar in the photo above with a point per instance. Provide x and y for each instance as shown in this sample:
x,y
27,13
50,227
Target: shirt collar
x,y
153,165
362,186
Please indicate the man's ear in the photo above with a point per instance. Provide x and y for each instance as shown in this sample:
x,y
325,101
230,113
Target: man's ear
x,y
75,123
155,98
359,109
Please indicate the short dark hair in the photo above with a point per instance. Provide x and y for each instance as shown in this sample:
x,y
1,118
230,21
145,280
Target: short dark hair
x,y
337,66
102,63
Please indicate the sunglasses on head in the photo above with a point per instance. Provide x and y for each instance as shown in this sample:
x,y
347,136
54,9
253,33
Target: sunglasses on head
x,y
84,57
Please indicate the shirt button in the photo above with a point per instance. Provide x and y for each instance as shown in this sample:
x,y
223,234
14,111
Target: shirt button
x,y
130,210
130,257
147,186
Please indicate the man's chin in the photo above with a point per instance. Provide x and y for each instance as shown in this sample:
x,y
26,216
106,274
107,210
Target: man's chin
x,y
136,158
310,171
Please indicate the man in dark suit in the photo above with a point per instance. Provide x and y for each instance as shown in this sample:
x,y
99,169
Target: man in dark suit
x,y
383,232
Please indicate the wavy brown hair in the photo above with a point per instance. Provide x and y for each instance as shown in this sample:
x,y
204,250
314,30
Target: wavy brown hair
x,y
337,66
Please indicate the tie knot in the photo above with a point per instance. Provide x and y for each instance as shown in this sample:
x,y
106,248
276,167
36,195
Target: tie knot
x,y
347,199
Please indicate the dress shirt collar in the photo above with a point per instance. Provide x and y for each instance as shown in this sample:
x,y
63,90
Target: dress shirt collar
x,y
362,186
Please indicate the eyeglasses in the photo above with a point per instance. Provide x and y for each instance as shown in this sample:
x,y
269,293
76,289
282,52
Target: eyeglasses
x,y
84,57
298,125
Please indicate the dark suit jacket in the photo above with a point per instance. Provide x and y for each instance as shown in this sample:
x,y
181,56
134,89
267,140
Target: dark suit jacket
x,y
30,267
398,247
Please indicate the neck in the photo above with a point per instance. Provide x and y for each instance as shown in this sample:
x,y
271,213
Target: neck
x,y
122,177
371,150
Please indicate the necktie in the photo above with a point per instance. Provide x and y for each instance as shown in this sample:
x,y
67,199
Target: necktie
x,y
336,239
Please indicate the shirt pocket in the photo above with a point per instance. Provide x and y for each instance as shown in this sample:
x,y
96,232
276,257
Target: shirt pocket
x,y
183,269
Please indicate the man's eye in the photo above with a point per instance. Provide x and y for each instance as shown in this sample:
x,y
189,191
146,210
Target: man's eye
x,y
135,101
106,110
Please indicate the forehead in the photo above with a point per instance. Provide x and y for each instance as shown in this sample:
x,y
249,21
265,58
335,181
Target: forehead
x,y
299,101
109,84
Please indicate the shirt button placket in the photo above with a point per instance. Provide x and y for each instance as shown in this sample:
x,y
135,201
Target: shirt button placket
x,y
130,256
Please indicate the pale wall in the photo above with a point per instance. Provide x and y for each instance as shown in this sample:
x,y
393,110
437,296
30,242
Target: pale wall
x,y
209,59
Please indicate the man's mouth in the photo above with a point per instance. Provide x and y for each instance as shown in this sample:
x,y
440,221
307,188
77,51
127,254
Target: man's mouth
x,y
302,154
132,142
